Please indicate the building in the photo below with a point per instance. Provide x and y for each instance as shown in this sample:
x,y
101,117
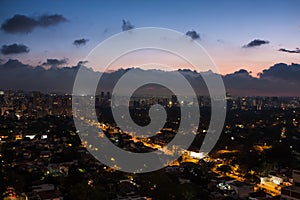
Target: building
x,y
272,184
242,189
46,192
235,189
292,192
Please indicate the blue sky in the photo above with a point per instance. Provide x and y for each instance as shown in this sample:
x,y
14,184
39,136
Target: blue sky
x,y
224,27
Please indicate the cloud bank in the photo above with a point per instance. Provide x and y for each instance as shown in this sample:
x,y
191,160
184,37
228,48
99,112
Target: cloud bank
x,y
278,80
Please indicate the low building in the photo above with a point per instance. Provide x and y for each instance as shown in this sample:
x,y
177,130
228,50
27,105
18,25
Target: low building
x,y
46,192
292,192
242,189
235,189
272,184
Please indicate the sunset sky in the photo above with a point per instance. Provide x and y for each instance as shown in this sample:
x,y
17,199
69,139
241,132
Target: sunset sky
x,y
251,35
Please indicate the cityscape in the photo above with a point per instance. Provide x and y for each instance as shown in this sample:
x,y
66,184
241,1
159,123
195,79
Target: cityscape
x,y
211,88
43,157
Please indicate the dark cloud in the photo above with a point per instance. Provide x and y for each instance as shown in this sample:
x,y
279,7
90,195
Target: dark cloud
x,y
14,49
50,20
297,50
242,71
127,25
255,43
80,42
82,63
25,24
12,64
55,62
282,71
193,34
15,75
105,31
241,83
278,80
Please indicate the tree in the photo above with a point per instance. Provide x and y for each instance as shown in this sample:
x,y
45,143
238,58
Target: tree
x,y
224,169
252,178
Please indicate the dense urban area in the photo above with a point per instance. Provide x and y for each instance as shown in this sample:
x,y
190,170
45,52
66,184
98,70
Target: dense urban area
x,y
43,157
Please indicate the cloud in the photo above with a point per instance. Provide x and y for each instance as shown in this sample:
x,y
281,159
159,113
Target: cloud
x,y
282,71
127,25
50,20
105,30
14,49
297,50
15,75
242,83
82,63
255,43
25,24
55,62
278,80
80,42
242,72
193,34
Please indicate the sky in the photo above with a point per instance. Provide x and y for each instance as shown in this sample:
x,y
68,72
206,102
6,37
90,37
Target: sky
x,y
237,34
